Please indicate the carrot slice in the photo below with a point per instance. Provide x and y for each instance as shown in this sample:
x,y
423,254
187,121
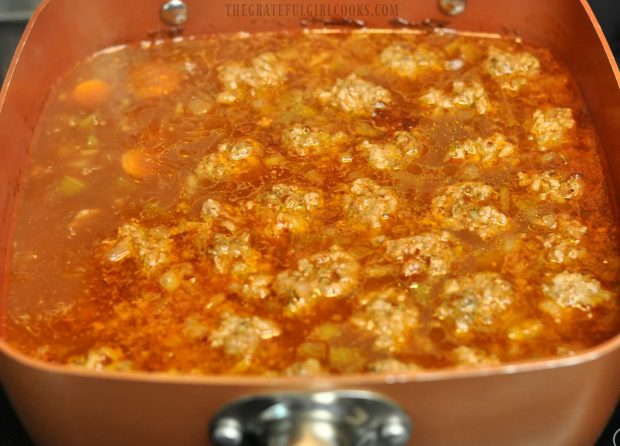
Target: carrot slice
x,y
91,93
154,80
138,163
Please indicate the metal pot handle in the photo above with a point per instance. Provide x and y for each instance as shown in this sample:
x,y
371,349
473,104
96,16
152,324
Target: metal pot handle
x,y
339,418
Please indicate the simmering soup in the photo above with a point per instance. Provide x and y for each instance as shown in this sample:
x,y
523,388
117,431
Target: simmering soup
x,y
314,203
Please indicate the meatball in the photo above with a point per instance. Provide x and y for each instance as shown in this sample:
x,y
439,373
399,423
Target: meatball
x,y
326,275
103,358
369,205
232,254
562,223
304,140
562,242
356,96
289,208
396,154
475,303
431,253
486,151
573,291
254,286
511,70
561,248
550,186
230,160
464,96
150,247
557,239
407,63
218,215
469,206
265,70
550,126
240,336
153,248
389,316
503,63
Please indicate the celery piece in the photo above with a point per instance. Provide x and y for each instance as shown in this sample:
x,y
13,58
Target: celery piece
x,y
70,185
125,184
88,122
92,141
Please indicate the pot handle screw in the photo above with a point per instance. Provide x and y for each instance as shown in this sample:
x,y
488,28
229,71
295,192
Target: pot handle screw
x,y
452,7
394,432
173,13
228,432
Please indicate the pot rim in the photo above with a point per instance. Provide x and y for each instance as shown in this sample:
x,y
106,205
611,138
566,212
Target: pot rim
x,y
10,353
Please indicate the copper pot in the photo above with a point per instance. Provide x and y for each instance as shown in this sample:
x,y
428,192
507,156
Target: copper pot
x,y
562,401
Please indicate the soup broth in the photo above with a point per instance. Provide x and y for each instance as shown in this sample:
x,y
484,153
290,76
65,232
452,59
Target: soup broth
x,y
314,203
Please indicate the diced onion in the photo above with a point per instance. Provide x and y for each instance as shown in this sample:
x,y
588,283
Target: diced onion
x,y
119,252
170,280
70,185
199,105
346,359
327,331
470,172
312,350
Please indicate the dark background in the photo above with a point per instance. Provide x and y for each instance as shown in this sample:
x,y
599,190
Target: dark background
x,y
11,26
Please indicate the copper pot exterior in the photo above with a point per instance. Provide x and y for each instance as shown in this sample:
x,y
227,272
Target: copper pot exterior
x,y
560,402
